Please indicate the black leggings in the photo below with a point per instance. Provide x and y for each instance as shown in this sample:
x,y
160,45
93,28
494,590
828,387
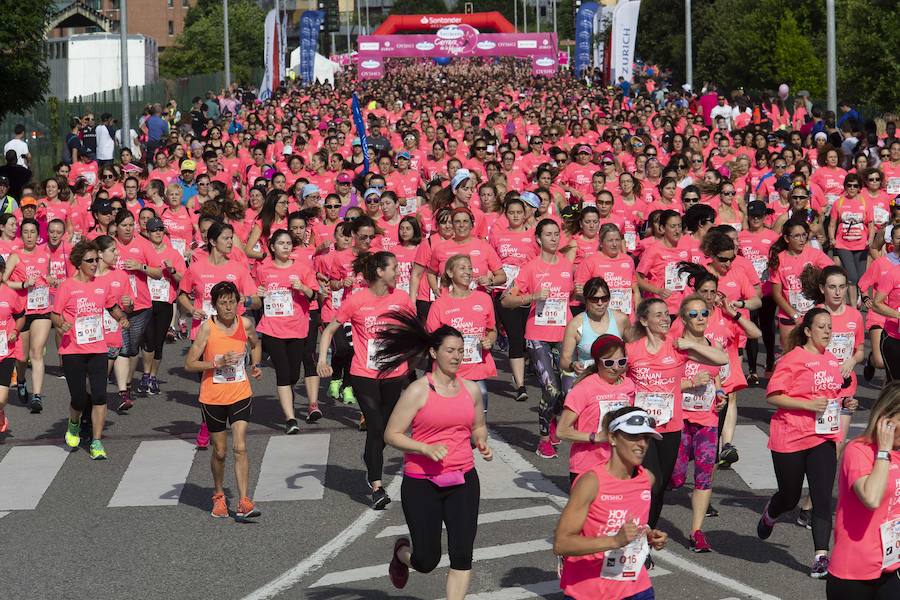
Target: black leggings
x,y
764,317
285,355
341,354
513,321
890,351
426,506
155,334
423,307
660,460
886,587
376,398
76,367
818,464
310,343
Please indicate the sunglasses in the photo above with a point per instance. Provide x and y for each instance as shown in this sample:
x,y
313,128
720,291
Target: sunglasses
x,y
693,314
375,201
728,193
109,176
799,197
332,206
781,166
691,199
350,219
156,229
365,238
89,261
697,161
639,420
598,299
852,185
609,363
874,179
608,162
725,259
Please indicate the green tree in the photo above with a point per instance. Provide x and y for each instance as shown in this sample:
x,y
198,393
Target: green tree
x,y
23,65
200,47
418,7
868,53
796,62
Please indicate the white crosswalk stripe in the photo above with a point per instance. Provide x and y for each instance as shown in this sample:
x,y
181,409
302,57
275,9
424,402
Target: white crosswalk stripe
x,y
528,512
156,474
25,474
755,464
293,468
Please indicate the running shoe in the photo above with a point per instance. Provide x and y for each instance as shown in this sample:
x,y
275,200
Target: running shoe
x,y
153,387
804,518
246,509
171,335
37,404
72,431
398,571
143,387
203,436
362,422
220,506
521,394
313,414
553,439
291,427
699,543
380,499
711,511
97,450
334,389
347,396
728,456
22,391
765,525
753,380
4,422
819,569
869,369
546,450
125,401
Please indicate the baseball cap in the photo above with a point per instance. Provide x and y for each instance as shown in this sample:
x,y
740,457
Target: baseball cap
x,y
820,136
404,154
102,206
461,175
372,192
758,208
635,422
288,149
155,224
344,178
531,199
356,142
28,201
584,149
309,189
783,183
188,165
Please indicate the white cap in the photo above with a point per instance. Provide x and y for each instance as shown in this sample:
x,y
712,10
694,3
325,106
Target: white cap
x,y
635,422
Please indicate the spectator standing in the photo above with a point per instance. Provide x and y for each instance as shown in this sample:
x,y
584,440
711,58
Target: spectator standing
x,y
18,143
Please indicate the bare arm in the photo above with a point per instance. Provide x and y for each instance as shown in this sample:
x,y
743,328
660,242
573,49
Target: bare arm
x,y
568,540
192,362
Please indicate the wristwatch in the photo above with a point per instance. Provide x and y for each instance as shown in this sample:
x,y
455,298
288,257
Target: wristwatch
x,y
593,437
795,316
883,455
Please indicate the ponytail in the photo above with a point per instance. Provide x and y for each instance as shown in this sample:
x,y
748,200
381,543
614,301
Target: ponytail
x,y
367,264
812,279
697,274
407,340
637,329
780,245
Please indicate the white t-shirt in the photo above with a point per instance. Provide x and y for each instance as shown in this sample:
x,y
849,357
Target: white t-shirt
x,y
134,145
21,149
106,147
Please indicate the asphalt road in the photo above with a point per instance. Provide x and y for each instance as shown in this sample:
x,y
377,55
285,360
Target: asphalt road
x,y
138,524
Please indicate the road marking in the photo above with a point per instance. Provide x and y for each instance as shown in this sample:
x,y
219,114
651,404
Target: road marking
x,y
540,590
25,474
318,558
156,474
293,468
480,554
3,514
704,572
755,466
530,512
499,480
525,473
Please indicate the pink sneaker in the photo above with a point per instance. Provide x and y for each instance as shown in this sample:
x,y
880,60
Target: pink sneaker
x,y
203,436
553,439
546,450
699,543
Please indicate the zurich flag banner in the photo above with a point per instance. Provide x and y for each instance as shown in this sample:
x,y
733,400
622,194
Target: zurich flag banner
x,y
310,22
584,35
361,132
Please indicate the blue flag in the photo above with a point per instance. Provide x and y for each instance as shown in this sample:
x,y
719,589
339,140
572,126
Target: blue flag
x,y
361,132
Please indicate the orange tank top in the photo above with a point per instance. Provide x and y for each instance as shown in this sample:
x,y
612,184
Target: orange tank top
x,y
228,384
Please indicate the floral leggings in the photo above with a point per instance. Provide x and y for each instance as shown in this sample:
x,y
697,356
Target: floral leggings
x,y
545,360
698,442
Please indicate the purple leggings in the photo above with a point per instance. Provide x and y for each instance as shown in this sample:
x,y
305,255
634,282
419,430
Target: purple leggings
x,y
698,442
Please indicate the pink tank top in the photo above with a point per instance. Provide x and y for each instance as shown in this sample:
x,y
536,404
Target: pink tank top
x,y
443,420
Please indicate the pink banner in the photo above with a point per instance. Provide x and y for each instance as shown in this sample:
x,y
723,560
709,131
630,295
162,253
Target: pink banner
x,y
457,41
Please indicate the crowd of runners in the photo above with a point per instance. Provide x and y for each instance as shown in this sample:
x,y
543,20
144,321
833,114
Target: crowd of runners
x,y
643,256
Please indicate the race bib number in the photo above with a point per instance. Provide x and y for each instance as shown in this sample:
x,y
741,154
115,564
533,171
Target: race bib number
x,y
89,329
403,285
774,197
893,186
675,281
412,204
620,300
132,281
230,373
841,345
625,564
4,344
159,289
180,245
279,304
512,271
761,266
880,216
110,325
829,420
372,348
830,199
890,543
38,298
853,226
800,302
658,405
208,309
608,406
336,296
551,311
724,371
630,240
471,349
699,398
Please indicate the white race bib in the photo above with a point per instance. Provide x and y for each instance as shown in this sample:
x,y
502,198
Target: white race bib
x,y
110,325
38,298
471,349
890,543
658,405
551,311
800,302
674,281
841,345
512,271
830,199
208,309
699,398
608,406
132,280
159,289
630,240
336,297
4,343
761,266
620,300
410,207
279,304
724,371
372,348
880,216
625,564
893,186
230,373
180,245
89,329
829,420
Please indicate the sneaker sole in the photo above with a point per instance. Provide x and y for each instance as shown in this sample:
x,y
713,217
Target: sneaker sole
x,y
36,408
292,430
818,575
548,457
314,416
381,503
250,515
215,516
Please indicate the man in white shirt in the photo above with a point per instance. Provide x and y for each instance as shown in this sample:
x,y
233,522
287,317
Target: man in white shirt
x,y
106,146
19,145
722,110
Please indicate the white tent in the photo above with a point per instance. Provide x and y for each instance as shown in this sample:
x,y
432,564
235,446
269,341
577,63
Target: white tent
x,y
323,71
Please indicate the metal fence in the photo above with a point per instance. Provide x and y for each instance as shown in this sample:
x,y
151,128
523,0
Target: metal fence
x,y
47,123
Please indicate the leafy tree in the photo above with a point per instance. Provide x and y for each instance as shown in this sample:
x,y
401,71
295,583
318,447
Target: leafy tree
x,y
868,53
23,65
795,61
200,47
418,7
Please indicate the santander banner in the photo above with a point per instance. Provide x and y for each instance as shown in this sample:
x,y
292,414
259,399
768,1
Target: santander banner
x,y
457,41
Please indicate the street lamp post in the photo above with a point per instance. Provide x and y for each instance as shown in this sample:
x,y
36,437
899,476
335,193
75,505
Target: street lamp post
x,y
831,55
688,46
227,44
125,126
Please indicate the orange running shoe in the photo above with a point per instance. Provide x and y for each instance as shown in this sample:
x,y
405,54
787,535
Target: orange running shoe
x,y
246,509
4,422
220,506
